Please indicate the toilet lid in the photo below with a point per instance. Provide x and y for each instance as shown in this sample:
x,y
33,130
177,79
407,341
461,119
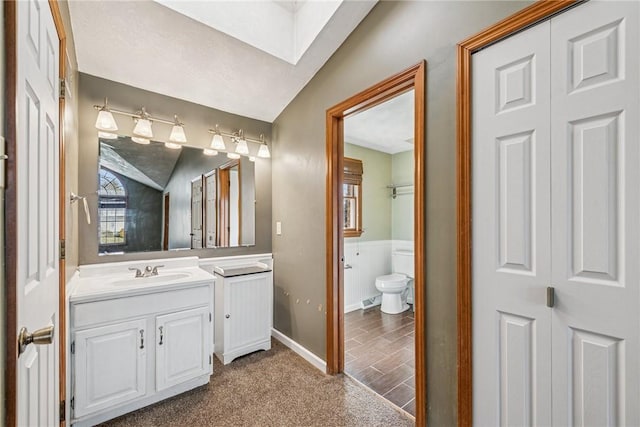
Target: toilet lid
x,y
393,277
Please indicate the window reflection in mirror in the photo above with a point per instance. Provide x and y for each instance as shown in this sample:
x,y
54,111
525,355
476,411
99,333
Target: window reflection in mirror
x,y
155,198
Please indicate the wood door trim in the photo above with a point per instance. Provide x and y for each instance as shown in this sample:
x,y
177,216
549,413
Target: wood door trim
x,y
11,255
411,78
539,11
11,231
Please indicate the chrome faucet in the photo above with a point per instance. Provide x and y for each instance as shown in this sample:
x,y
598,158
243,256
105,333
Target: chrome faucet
x,y
148,271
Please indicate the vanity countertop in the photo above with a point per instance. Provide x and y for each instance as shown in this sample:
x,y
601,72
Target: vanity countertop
x,y
115,280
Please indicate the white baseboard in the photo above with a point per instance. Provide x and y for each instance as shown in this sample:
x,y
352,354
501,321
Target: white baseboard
x,y
352,307
300,350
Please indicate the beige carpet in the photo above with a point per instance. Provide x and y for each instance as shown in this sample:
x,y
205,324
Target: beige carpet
x,y
274,388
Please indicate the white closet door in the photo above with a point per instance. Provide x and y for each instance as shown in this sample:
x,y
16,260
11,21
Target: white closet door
x,y
596,213
511,205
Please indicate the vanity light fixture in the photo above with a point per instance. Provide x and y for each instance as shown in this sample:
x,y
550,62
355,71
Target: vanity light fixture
x,y
217,143
177,132
143,125
209,152
107,135
263,151
172,145
105,121
233,156
138,140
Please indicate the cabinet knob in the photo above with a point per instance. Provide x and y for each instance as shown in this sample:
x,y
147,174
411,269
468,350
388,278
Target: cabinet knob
x,y
227,316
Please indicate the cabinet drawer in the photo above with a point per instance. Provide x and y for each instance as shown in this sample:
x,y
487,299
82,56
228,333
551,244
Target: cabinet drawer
x,y
106,311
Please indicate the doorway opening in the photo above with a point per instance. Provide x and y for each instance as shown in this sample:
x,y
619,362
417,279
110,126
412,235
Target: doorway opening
x,y
346,196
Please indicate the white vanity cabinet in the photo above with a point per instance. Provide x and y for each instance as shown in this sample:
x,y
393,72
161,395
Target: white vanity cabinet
x,y
138,346
243,312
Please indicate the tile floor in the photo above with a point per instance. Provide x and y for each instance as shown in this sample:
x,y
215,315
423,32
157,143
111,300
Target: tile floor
x,y
379,352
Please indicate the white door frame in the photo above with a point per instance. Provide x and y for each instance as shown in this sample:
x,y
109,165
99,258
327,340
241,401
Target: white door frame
x,y
11,236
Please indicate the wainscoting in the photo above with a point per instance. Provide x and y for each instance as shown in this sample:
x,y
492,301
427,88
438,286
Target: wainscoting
x,y
367,260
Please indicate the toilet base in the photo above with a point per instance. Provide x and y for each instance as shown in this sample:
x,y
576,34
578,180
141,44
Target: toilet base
x,y
393,304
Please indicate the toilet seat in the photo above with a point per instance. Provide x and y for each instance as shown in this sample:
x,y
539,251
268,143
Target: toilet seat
x,y
392,281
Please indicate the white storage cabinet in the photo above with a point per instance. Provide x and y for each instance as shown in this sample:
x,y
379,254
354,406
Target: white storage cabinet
x,y
243,311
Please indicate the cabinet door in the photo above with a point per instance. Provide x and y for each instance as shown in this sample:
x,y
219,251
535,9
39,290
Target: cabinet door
x,y
109,366
248,304
182,346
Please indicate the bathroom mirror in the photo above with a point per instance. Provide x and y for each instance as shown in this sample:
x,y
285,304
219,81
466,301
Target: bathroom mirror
x,y
151,198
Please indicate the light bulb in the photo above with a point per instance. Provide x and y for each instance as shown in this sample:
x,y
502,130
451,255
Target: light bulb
x,y
143,128
241,147
233,156
172,145
217,143
264,151
177,132
139,140
107,135
209,152
105,121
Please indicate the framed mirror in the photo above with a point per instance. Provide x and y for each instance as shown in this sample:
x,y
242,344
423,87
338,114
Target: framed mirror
x,y
152,198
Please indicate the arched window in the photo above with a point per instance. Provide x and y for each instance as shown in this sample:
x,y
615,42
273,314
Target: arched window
x,y
112,209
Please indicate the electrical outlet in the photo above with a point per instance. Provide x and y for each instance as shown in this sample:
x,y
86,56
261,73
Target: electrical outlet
x,y
278,228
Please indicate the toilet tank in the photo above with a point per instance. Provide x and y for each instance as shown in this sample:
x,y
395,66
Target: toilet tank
x,y
402,261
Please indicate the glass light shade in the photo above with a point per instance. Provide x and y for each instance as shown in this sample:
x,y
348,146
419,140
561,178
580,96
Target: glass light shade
x,y
106,122
107,135
172,145
139,140
233,155
264,151
241,147
143,128
177,134
252,158
209,152
217,143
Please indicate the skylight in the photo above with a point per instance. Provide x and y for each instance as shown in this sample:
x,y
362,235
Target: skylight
x,y
284,29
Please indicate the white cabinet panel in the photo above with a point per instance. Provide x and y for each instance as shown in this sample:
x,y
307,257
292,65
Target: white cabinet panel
x,y
182,352
110,365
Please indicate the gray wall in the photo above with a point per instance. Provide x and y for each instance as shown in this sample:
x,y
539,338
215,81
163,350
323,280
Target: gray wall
x,y
71,146
198,120
394,36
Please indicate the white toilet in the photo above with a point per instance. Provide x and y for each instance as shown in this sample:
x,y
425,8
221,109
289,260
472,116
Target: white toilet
x,y
394,286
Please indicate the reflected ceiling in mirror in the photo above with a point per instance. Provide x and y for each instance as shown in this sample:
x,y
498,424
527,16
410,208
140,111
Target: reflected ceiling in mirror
x,y
151,197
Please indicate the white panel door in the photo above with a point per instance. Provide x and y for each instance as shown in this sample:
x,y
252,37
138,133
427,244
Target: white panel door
x,y
109,366
37,194
596,214
182,346
196,213
248,316
511,259
211,209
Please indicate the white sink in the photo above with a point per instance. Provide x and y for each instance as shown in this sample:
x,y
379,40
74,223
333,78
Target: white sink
x,y
160,278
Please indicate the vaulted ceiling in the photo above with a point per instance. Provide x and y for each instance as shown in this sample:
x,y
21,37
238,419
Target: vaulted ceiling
x,y
245,57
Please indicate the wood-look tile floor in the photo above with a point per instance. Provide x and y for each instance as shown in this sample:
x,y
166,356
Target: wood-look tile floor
x,y
379,352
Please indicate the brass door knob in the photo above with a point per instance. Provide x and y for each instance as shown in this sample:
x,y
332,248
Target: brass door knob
x,y
40,337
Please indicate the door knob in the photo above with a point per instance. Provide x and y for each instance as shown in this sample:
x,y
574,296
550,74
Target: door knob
x,y
40,337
